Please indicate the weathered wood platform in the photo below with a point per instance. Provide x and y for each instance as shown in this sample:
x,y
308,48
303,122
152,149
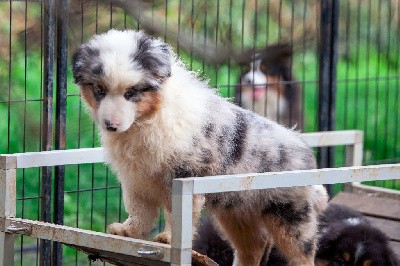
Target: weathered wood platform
x,y
382,211
126,260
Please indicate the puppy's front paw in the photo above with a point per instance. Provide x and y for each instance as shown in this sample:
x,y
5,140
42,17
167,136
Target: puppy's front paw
x,y
120,229
163,237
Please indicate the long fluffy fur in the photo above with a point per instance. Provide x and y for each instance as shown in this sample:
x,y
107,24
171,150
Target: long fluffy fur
x,y
158,122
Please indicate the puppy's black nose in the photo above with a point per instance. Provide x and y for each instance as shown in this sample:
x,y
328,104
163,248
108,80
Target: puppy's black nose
x,y
111,126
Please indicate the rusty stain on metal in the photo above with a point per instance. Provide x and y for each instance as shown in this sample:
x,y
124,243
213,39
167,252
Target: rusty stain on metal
x,y
19,228
246,182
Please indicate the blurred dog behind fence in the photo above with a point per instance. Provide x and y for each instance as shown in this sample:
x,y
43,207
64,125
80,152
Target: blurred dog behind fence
x,y
267,85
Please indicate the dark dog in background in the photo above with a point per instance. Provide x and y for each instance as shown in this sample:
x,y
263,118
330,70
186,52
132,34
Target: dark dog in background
x,y
345,238
267,86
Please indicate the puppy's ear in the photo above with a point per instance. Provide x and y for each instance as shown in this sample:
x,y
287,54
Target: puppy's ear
x,y
86,66
153,55
390,257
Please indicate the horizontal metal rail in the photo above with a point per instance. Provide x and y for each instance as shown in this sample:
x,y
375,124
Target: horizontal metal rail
x,y
254,181
179,253
97,155
86,238
333,138
52,158
185,188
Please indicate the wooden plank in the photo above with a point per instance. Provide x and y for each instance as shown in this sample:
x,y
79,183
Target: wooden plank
x,y
116,258
125,260
86,238
369,205
396,248
389,227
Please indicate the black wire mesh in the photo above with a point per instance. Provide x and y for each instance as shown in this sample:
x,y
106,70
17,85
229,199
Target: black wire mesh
x,y
217,39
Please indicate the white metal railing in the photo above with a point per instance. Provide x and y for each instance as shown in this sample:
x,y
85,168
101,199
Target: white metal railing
x,y
179,253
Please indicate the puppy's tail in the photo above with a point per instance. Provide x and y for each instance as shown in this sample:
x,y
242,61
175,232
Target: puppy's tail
x,y
319,198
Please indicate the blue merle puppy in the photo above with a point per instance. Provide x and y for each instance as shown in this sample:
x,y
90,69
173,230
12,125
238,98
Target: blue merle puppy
x,y
158,121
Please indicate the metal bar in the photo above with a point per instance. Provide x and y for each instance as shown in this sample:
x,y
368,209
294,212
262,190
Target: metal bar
x,y
240,182
47,124
327,78
7,209
333,138
87,238
58,157
7,192
325,46
354,157
333,63
354,154
184,189
6,248
182,200
97,155
61,109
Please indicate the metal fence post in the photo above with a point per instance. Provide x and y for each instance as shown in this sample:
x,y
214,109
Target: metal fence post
x,y
354,153
61,109
182,201
47,131
7,207
327,77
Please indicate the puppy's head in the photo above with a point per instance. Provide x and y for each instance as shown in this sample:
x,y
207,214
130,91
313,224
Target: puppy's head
x,y
254,81
120,74
354,242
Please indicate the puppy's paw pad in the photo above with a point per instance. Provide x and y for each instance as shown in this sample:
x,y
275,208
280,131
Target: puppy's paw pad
x,y
163,238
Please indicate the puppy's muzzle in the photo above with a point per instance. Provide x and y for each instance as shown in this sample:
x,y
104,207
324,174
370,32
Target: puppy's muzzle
x,y
111,126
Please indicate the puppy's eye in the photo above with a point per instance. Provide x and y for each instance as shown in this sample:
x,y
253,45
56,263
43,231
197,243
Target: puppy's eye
x,y
338,261
148,88
130,93
99,91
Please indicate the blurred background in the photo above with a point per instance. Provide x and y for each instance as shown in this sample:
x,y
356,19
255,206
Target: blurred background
x,y
308,64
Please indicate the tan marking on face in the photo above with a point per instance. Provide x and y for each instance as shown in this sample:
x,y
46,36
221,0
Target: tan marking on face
x,y
87,94
150,103
276,83
367,263
346,256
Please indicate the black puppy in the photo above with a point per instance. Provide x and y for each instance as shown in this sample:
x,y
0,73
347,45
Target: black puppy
x,y
345,238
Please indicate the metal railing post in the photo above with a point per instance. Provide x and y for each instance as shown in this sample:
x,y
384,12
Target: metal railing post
x,y
61,110
182,201
47,122
7,207
327,78
354,153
